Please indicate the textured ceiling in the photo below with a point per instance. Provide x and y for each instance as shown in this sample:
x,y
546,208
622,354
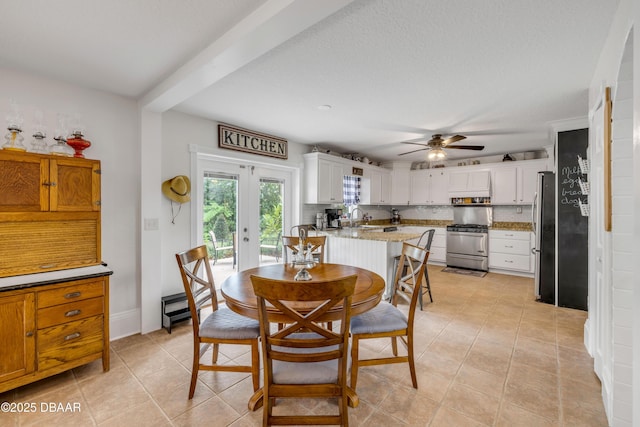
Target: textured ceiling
x,y
497,71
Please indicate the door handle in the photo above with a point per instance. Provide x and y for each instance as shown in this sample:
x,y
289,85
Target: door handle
x,y
245,239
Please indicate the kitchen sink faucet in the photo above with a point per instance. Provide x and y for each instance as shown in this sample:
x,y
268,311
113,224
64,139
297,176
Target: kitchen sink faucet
x,y
352,215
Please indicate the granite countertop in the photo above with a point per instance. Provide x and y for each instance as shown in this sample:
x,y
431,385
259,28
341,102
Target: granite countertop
x,y
373,230
513,226
372,234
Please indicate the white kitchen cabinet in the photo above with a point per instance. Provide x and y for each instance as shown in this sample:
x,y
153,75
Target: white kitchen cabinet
x,y
516,183
510,250
400,187
429,187
505,186
438,252
469,183
419,190
527,181
323,179
376,187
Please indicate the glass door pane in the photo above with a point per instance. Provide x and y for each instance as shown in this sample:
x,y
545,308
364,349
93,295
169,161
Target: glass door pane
x,y
271,220
219,222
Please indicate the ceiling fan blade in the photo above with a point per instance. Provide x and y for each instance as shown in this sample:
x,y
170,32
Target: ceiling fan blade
x,y
414,143
414,151
453,139
466,147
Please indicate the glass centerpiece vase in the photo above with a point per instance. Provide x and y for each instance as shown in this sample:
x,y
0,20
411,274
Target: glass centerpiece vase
x,y
303,258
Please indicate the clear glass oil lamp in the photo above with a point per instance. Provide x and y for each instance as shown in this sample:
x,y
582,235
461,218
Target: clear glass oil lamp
x,y
14,139
60,147
14,126
38,144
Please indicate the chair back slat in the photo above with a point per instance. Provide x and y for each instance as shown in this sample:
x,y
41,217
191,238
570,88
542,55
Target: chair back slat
x,y
198,282
426,238
291,246
280,294
409,286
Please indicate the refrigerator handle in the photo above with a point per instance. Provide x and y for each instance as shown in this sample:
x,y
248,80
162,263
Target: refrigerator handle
x,y
533,212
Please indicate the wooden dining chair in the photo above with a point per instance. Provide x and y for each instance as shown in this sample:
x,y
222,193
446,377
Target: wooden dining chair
x,y
291,247
386,320
222,326
305,359
424,242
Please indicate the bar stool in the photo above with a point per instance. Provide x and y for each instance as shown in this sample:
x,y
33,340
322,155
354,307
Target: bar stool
x,y
426,238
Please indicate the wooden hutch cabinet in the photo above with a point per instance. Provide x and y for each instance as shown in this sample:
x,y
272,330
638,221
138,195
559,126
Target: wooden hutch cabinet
x,y
54,291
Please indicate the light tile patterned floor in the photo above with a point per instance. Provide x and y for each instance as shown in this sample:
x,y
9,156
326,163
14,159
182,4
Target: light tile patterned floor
x,y
488,356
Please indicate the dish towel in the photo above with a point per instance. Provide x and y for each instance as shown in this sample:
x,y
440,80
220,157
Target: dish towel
x,y
351,190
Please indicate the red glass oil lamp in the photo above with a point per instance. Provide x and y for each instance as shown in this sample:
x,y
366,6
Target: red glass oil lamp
x,y
78,143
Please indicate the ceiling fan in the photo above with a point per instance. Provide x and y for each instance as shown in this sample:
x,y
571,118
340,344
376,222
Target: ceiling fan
x,y
436,146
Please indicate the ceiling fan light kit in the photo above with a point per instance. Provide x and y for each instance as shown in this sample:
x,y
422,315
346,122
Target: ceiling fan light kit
x,y
436,146
436,154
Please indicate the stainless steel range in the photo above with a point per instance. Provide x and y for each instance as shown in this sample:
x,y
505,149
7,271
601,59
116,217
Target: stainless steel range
x,y
468,237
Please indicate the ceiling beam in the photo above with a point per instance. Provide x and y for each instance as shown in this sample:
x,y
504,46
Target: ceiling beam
x,y
273,23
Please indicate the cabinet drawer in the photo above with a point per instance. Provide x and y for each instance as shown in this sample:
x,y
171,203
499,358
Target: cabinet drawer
x,y
509,262
508,234
516,247
69,312
70,293
437,254
69,341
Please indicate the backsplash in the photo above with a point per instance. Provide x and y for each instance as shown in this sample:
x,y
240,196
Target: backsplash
x,y
500,213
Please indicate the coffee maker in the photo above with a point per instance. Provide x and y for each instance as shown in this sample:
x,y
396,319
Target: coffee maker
x,y
333,218
321,221
395,216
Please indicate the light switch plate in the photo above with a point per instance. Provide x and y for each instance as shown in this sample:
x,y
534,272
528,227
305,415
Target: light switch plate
x,y
151,224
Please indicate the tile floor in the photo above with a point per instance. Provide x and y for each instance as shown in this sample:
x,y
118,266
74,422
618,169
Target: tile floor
x,y
488,356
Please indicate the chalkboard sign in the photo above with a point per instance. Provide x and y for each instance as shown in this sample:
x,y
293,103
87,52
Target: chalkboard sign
x,y
572,226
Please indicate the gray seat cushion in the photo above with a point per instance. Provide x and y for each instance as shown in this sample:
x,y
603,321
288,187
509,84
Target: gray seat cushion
x,y
224,323
382,318
307,373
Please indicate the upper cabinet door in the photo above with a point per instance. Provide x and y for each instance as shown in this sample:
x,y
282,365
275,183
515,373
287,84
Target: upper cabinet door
x,y
504,191
527,181
75,185
24,182
458,181
419,187
438,188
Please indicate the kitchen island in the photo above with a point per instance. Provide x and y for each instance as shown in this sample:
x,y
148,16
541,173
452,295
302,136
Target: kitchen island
x,y
370,248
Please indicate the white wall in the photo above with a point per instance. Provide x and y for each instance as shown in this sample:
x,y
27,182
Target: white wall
x,y
626,203
179,130
112,128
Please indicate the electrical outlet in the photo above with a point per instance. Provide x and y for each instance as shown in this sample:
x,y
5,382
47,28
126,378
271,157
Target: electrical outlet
x,y
519,210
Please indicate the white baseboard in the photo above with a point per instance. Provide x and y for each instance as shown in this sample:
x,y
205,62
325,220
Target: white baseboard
x,y
124,324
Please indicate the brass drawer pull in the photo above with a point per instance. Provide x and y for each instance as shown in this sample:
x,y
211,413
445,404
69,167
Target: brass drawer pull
x,y
72,295
72,336
72,313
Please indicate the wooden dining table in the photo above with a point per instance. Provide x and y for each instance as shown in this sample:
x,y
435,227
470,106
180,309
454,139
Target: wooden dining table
x,y
237,291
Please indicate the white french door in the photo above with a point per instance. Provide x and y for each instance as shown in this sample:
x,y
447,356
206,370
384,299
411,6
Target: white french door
x,y
600,292
230,200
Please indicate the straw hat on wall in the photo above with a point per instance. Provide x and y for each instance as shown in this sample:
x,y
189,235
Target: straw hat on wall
x,y
177,189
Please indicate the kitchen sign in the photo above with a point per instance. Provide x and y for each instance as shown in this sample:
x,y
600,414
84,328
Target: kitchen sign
x,y
238,139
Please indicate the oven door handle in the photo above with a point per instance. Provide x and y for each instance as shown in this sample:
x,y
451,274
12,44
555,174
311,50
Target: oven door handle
x,y
466,233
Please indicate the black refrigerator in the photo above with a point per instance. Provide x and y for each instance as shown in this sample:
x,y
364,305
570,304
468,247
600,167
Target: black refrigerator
x,y
544,227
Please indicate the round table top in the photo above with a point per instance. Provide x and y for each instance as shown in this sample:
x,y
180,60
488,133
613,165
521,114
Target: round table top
x,y
238,291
